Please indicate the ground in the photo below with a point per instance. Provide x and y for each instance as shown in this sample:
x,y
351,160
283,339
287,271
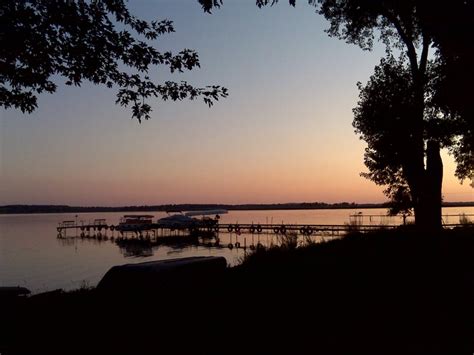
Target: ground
x,y
389,292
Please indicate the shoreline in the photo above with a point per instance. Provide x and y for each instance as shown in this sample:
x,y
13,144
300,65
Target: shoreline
x,y
51,209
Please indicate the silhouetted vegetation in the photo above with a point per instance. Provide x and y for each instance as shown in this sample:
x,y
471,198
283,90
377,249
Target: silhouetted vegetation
x,y
414,121
384,119
387,292
465,220
180,207
88,41
14,209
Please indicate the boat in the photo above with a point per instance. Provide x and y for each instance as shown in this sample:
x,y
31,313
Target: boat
x,y
161,275
190,220
135,223
176,221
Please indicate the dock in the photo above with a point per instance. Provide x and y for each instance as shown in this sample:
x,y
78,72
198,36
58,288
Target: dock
x,y
156,229
144,238
98,228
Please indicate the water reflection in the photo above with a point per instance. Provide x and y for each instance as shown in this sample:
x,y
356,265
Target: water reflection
x,y
143,246
65,242
135,250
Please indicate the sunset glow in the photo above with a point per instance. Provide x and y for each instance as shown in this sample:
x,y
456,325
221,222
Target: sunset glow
x,y
284,134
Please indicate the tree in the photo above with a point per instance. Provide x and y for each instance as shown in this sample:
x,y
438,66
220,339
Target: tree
x,y
425,123
383,118
418,107
78,40
452,30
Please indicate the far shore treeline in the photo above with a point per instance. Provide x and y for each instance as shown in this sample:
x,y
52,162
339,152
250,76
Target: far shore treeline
x,y
18,209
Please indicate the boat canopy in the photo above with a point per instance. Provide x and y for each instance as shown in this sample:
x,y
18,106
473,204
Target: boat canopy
x,y
175,218
138,216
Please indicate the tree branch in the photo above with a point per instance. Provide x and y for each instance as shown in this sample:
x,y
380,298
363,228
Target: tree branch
x,y
424,54
411,51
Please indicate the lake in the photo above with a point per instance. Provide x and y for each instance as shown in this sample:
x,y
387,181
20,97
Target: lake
x,y
32,256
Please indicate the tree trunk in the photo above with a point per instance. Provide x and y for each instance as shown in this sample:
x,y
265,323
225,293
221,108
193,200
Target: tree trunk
x,y
428,201
429,179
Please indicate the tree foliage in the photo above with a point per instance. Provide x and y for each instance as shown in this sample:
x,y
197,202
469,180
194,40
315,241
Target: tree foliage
x,y
413,27
418,117
451,26
384,120
42,40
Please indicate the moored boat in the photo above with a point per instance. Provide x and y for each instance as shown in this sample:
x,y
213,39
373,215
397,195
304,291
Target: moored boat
x,y
135,223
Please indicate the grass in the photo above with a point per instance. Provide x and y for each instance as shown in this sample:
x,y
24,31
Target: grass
x,y
288,240
353,225
464,220
386,292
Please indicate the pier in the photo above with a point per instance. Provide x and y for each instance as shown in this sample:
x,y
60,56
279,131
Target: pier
x,y
101,228
152,234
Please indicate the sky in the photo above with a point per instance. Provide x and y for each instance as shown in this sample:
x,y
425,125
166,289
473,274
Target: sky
x,y
284,134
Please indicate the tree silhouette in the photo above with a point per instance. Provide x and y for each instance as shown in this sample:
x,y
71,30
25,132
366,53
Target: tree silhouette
x,y
88,40
417,108
427,120
452,29
383,118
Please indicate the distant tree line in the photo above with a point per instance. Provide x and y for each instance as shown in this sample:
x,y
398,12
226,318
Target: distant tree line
x,y
25,209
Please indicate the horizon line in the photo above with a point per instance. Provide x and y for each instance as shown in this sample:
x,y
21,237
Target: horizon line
x,y
218,204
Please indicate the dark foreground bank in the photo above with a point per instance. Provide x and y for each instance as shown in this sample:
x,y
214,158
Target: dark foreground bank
x,y
391,292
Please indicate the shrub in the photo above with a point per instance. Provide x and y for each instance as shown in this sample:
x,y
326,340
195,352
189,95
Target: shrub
x,y
464,220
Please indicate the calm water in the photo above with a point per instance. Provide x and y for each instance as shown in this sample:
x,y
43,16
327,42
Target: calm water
x,y
32,256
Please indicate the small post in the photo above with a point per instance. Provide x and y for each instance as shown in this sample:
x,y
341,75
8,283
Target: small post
x,y
75,224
